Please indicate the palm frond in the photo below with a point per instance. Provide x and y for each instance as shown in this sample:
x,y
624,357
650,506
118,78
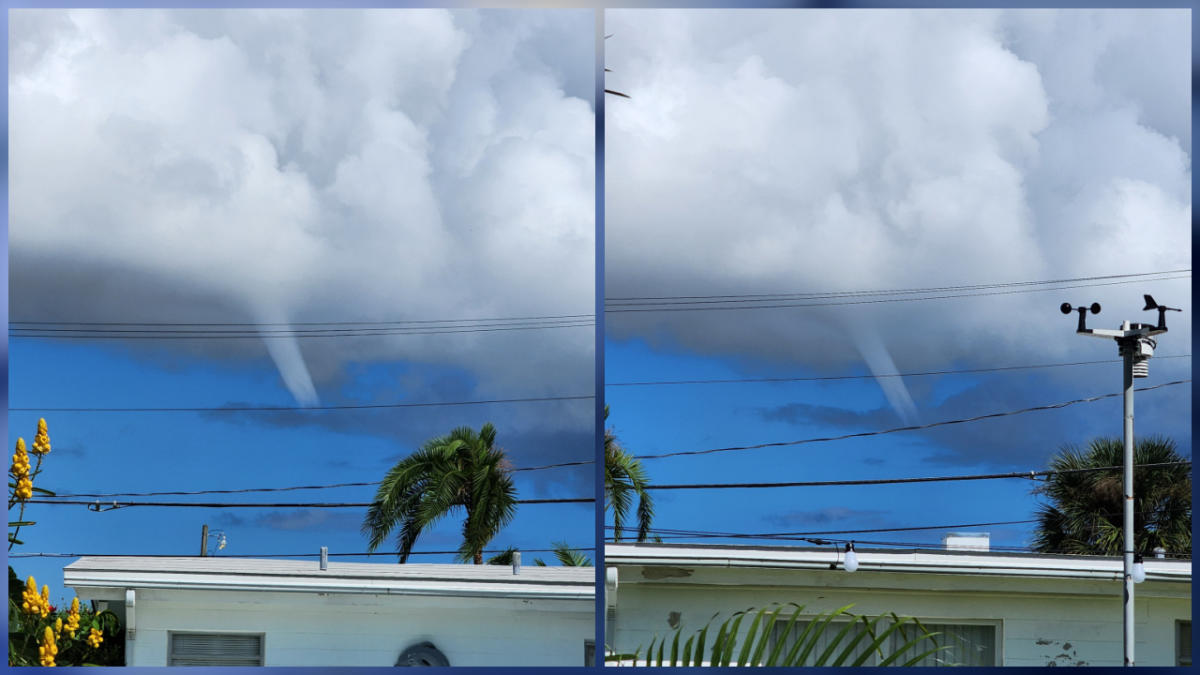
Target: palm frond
x,y
763,642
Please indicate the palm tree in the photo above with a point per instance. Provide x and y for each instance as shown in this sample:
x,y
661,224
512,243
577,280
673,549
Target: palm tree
x,y
624,478
461,470
1086,510
567,556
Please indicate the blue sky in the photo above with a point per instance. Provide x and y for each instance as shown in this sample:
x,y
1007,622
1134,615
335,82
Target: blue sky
x,y
660,419
834,152
277,168
134,452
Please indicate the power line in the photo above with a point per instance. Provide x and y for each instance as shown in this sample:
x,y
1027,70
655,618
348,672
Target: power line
x,y
107,334
918,545
801,535
697,486
828,378
895,291
276,555
97,505
288,488
580,462
737,304
296,332
317,408
918,427
895,481
771,535
252,324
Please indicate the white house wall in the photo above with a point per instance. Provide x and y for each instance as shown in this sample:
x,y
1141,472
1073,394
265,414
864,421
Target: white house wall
x,y
316,629
1037,618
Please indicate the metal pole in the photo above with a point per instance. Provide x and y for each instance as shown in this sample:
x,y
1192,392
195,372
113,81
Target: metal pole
x,y
204,541
1127,349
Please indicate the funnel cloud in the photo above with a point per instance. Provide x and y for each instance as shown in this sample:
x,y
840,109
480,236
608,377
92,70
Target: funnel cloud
x,y
298,166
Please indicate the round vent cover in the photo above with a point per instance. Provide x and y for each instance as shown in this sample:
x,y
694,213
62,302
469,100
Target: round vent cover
x,y
423,654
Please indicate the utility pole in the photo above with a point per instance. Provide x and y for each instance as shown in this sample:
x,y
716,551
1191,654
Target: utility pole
x,y
204,541
1136,345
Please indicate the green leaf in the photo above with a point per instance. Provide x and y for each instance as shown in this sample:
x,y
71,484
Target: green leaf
x,y
751,634
824,657
700,642
773,659
44,491
731,637
878,640
718,643
21,523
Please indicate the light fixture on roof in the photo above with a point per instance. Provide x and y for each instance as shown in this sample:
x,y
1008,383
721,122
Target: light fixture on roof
x,y
1139,569
851,563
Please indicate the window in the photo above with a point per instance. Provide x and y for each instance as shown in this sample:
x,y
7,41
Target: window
x,y
970,644
1183,643
214,649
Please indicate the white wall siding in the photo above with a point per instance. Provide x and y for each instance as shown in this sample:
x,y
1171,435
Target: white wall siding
x,y
1039,620
308,629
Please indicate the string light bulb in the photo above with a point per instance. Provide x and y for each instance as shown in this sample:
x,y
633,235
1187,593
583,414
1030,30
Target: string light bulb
x,y
1139,570
851,563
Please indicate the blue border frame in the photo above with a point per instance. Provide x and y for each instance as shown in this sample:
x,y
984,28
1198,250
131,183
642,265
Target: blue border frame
x,y
599,199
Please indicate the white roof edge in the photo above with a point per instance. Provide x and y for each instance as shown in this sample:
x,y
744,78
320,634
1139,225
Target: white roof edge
x,y
935,562
428,580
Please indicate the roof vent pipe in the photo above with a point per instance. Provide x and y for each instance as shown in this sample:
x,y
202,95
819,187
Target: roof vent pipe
x,y
516,558
324,558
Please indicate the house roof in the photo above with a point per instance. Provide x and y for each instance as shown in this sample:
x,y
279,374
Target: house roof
x,y
244,574
918,561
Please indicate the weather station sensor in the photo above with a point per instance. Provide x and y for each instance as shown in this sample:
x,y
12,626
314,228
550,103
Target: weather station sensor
x,y
1134,339
1135,343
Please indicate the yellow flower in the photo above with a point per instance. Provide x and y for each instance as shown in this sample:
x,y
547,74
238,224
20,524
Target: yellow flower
x,y
20,460
24,490
58,626
41,442
20,471
31,602
94,638
48,649
73,618
45,600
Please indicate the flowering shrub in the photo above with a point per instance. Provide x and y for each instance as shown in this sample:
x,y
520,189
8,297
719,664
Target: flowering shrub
x,y
38,633
39,636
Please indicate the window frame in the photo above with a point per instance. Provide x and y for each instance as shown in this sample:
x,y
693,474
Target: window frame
x,y
1182,627
996,624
